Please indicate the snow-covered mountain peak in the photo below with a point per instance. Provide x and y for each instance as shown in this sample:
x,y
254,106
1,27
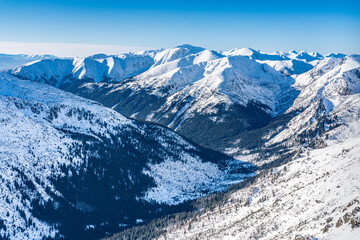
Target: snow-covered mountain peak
x,y
333,79
331,66
240,51
192,48
292,53
303,55
172,54
329,97
316,55
256,55
336,55
206,56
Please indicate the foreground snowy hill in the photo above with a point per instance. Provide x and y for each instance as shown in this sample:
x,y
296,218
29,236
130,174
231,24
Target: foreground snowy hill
x,y
12,61
316,196
71,167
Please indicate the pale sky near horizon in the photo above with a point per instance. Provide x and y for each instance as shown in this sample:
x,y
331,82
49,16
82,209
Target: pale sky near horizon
x,y
84,27
65,49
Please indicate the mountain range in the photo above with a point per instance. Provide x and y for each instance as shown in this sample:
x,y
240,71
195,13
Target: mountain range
x,y
91,146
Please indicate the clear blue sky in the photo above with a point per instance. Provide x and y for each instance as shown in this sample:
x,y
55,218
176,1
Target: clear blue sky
x,y
324,26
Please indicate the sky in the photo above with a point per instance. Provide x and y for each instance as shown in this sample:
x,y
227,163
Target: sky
x,y
84,27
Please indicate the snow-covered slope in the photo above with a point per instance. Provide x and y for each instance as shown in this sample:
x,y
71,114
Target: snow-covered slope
x,y
315,196
308,57
8,61
330,97
71,167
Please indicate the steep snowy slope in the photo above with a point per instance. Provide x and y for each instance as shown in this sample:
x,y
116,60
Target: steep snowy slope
x,y
8,61
73,168
315,196
330,97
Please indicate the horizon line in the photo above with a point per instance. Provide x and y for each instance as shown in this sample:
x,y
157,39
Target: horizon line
x,y
60,49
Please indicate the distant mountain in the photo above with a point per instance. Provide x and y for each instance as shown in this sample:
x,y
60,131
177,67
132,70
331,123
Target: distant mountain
x,y
287,63
11,61
257,55
336,55
213,98
73,168
202,94
96,68
308,57
289,67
